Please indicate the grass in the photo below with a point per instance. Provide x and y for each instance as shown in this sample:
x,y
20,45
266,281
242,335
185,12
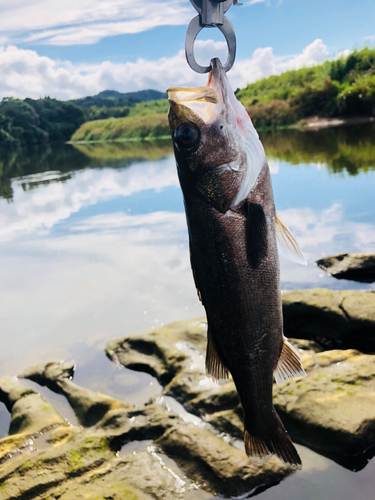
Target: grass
x,y
147,126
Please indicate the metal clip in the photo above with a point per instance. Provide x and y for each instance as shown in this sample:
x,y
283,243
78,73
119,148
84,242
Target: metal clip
x,y
210,15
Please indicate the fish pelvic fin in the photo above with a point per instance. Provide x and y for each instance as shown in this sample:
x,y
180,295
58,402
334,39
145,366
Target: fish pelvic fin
x,y
287,244
289,364
260,449
215,368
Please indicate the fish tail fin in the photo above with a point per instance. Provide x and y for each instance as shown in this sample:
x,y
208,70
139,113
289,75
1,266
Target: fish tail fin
x,y
278,443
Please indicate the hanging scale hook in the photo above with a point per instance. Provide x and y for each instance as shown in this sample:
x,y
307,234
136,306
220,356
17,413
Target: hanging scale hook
x,y
210,15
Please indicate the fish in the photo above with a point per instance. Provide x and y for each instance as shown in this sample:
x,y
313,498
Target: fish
x,y
235,236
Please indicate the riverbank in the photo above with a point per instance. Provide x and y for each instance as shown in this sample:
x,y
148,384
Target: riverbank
x,y
318,122
156,127
186,442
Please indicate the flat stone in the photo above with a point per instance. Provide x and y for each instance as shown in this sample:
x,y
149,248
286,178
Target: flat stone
x,y
334,318
333,407
350,266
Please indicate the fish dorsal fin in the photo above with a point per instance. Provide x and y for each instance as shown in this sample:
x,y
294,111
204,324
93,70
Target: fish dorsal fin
x,y
287,245
257,233
215,368
289,364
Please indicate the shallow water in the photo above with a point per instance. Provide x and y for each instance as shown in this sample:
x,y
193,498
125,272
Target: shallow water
x,y
94,246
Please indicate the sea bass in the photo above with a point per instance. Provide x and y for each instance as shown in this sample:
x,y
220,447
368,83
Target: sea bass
x,y
233,233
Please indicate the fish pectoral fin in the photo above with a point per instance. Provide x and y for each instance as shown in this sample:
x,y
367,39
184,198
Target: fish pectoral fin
x,y
215,368
276,443
257,233
289,364
287,244
195,278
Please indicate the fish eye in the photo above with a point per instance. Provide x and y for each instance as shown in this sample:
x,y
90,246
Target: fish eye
x,y
187,136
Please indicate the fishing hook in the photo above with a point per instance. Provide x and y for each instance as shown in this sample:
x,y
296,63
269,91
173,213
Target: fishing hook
x,y
210,15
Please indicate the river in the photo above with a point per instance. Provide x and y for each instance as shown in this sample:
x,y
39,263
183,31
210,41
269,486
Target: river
x,y
94,246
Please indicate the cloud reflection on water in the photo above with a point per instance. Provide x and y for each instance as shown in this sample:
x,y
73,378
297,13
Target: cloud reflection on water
x,y
103,251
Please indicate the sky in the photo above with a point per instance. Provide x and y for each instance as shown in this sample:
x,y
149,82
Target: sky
x,y
73,48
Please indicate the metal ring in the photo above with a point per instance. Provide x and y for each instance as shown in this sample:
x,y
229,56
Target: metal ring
x,y
198,5
192,32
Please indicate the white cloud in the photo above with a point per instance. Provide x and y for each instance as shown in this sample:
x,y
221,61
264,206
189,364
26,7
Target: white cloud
x,y
24,73
342,54
37,211
86,21
315,53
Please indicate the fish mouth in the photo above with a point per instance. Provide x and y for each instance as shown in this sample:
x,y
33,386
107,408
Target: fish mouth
x,y
207,102
217,80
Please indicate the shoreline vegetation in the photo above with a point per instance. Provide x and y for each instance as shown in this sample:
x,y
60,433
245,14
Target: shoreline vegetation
x,y
335,93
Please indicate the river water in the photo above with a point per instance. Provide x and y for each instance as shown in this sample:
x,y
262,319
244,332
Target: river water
x,y
94,246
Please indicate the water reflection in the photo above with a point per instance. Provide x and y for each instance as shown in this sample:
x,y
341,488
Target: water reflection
x,y
94,246
348,149
66,158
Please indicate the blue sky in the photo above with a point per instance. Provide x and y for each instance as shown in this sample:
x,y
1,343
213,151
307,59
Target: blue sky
x,y
79,47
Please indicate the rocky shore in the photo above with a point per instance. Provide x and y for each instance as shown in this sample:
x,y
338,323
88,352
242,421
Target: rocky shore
x,y
350,266
120,451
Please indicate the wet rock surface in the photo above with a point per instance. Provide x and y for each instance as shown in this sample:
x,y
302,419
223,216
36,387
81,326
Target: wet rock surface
x,y
121,451
350,266
336,319
331,409
45,457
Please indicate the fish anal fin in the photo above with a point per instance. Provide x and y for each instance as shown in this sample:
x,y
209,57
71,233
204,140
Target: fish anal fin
x,y
278,443
257,233
289,364
287,245
215,368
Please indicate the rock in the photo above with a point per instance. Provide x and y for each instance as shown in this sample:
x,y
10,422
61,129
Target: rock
x,y
47,458
341,319
333,407
176,356
313,408
220,466
155,352
79,464
350,266
90,407
31,413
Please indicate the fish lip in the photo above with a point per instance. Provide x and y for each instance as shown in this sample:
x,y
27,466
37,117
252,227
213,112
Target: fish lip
x,y
217,79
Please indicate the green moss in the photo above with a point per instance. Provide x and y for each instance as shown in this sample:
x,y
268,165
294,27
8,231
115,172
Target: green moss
x,y
75,460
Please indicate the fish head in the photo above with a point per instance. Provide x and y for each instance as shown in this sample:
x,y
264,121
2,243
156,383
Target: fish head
x,y
210,139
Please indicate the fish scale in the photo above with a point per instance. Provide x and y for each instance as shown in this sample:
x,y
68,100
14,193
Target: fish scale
x,y
233,232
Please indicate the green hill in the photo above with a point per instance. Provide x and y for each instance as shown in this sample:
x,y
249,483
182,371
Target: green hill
x,y
339,88
36,121
112,98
